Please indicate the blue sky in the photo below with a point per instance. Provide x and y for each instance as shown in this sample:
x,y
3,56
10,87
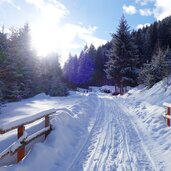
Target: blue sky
x,y
67,25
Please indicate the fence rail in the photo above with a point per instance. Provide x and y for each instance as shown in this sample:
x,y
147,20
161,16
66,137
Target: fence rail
x,y
23,139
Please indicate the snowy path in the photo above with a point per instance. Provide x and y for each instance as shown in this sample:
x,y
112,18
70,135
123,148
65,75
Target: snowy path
x,y
104,136
113,143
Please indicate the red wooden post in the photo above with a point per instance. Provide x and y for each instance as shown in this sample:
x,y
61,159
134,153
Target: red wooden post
x,y
168,113
21,152
47,123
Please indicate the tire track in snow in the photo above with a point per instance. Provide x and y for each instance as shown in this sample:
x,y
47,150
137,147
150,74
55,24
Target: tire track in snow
x,y
82,154
113,143
138,158
106,145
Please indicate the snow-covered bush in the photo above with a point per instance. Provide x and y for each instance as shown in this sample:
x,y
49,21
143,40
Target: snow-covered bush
x,y
155,71
58,88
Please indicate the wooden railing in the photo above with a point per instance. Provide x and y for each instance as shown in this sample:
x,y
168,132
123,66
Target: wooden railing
x,y
23,139
167,116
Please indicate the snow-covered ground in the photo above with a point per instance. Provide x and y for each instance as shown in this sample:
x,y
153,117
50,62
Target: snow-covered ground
x,y
103,132
145,108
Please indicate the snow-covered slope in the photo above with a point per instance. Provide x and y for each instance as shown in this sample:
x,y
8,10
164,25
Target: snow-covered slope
x,y
145,108
105,133
66,136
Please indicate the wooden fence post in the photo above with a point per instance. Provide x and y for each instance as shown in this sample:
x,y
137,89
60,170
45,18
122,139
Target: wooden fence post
x,y
21,152
168,113
47,123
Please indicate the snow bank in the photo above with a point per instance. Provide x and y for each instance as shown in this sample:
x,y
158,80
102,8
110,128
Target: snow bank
x,y
146,108
68,134
6,125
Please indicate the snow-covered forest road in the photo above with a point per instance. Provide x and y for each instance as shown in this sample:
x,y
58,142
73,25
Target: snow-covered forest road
x,y
113,142
102,132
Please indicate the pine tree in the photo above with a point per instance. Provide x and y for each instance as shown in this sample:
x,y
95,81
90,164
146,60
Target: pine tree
x,y
86,68
21,65
22,74
70,71
155,71
52,76
123,57
168,61
101,59
3,63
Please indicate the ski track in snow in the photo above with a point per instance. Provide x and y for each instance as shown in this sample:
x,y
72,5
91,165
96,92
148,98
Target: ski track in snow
x,y
113,143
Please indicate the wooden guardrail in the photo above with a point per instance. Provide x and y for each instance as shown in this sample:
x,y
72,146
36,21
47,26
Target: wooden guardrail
x,y
23,139
167,116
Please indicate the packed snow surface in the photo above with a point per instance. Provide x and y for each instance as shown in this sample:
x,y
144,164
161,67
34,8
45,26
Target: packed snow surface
x,y
99,132
9,124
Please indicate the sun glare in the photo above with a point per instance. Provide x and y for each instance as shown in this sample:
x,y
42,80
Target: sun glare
x,y
45,40
50,38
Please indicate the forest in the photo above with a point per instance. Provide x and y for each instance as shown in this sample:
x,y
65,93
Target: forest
x,y
132,57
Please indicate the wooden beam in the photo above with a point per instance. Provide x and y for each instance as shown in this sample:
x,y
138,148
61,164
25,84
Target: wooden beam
x,y
31,138
2,131
21,152
168,113
47,124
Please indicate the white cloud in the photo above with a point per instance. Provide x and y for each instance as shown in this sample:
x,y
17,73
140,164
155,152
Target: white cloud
x,y
140,26
11,2
143,2
5,1
145,12
129,9
49,34
64,39
162,9
37,3
77,36
51,10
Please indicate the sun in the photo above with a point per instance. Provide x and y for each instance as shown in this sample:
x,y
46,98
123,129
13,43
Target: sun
x,y
52,38
46,39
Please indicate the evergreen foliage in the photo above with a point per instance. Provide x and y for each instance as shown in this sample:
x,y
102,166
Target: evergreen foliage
x,y
155,71
119,61
80,71
21,72
123,57
100,77
70,71
52,76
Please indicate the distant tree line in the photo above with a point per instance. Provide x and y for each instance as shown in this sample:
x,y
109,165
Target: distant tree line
x,y
130,58
22,73
88,68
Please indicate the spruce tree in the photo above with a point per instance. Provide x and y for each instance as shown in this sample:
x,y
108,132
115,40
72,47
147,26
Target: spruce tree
x,y
86,68
21,64
123,57
52,76
101,58
70,71
3,64
155,71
